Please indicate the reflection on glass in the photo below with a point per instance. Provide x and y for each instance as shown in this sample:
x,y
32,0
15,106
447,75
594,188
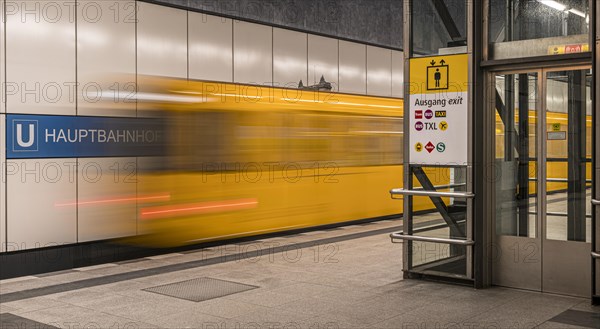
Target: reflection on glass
x,y
516,154
523,28
569,155
439,27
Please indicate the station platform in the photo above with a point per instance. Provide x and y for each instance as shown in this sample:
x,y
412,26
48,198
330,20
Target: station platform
x,y
348,277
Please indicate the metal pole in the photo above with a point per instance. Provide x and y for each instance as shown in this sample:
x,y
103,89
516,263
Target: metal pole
x,y
576,156
523,147
407,174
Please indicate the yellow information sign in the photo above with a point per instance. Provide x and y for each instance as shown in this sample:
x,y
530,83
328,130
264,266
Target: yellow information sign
x,y
438,110
432,75
556,127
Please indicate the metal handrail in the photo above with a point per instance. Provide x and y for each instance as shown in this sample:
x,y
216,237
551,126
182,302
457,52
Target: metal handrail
x,y
558,214
556,180
400,191
441,187
595,202
595,255
402,236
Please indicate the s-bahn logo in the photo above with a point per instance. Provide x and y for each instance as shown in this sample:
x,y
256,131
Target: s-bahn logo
x,y
25,138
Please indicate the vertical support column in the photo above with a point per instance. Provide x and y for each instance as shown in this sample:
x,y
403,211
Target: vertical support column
x,y
508,22
407,173
523,150
472,45
577,158
595,46
481,157
509,115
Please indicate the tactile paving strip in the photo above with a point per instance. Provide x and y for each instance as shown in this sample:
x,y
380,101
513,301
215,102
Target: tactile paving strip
x,y
200,289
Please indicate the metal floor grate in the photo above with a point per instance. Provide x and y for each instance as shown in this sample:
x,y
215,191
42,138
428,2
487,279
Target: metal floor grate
x,y
578,318
200,289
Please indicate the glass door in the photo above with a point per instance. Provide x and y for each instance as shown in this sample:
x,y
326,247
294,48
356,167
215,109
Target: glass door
x,y
543,180
568,182
517,238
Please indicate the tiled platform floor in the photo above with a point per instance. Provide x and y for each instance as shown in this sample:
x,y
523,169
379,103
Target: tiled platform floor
x,y
343,283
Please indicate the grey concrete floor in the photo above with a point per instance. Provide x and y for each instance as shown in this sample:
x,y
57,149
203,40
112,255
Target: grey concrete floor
x,y
346,284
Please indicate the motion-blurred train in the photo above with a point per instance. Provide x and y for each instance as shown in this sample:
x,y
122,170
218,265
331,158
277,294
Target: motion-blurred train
x,y
245,160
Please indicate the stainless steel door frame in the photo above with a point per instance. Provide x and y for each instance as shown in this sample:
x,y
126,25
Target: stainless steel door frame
x,y
536,262
516,260
566,268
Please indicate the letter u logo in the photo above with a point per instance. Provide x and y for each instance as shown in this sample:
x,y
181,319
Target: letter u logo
x,y
31,139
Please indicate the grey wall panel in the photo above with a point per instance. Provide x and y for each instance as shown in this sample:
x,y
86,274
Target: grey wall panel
x,y
379,71
41,202
290,58
353,70
40,45
252,53
162,41
397,74
2,185
210,47
106,58
107,198
323,60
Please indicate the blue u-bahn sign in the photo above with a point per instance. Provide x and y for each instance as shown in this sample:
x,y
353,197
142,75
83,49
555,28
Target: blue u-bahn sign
x,y
49,136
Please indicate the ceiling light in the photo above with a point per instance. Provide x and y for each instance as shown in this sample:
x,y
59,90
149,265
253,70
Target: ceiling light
x,y
577,12
553,4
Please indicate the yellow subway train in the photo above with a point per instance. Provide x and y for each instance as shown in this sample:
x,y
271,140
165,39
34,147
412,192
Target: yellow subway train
x,y
557,149
247,160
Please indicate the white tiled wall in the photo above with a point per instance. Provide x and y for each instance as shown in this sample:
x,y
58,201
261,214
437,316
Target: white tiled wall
x,y
210,47
106,198
40,54
106,58
397,74
379,71
161,41
106,72
252,53
290,58
42,201
353,67
323,60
